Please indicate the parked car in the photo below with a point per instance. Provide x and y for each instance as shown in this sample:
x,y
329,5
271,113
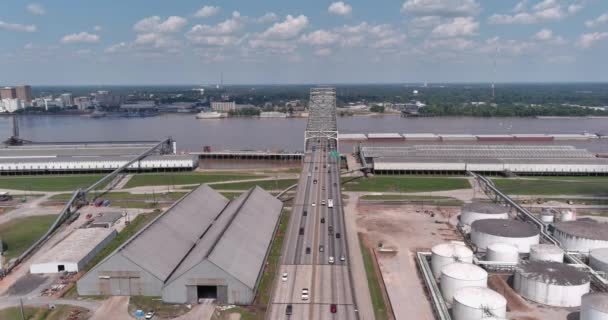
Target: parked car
x,y
284,276
150,315
289,310
305,294
331,260
333,308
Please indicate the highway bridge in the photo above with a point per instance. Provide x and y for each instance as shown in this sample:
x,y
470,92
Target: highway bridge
x,y
314,279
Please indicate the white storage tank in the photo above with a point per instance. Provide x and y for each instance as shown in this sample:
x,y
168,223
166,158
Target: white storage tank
x,y
598,259
594,306
582,235
460,275
546,252
472,212
567,215
518,233
547,215
551,283
472,303
502,252
448,253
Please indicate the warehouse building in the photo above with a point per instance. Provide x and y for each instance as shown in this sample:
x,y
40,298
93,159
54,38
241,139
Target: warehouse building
x,y
73,252
204,246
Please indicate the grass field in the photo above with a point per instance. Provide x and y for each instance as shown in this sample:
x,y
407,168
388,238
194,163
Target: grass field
x,y
373,281
48,183
60,312
19,234
136,224
270,271
280,184
128,196
184,178
406,184
430,200
544,186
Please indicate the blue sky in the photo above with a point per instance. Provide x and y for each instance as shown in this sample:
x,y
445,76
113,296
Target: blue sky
x,y
74,42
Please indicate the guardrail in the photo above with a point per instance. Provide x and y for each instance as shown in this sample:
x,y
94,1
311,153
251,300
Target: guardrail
x,y
600,282
439,305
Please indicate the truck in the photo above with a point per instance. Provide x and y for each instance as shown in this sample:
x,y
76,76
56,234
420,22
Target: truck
x,y
330,203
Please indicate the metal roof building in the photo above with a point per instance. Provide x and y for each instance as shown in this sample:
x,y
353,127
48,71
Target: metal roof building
x,y
204,246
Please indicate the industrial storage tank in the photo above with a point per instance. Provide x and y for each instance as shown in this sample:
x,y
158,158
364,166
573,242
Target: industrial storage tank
x,y
546,252
460,275
448,253
488,231
502,252
582,235
472,212
594,306
598,259
547,215
567,215
472,303
551,283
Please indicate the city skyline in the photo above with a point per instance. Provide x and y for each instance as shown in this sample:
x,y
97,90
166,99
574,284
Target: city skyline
x,y
271,42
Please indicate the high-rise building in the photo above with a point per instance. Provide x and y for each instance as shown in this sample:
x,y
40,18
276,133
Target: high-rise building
x,y
24,93
83,103
107,99
66,99
223,106
8,93
11,105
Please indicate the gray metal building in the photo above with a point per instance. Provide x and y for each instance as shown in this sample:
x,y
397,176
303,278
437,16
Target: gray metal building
x,y
204,246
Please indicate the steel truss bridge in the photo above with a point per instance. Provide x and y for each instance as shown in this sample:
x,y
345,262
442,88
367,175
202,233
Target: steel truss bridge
x,y
322,117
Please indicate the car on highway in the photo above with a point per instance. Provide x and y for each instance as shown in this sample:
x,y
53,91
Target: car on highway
x,y
322,220
289,310
314,181
314,204
333,308
284,276
342,258
321,248
305,213
331,260
337,235
322,202
331,230
305,294
307,250
150,314
301,231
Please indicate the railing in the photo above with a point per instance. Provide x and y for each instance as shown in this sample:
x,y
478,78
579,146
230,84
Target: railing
x,y
439,305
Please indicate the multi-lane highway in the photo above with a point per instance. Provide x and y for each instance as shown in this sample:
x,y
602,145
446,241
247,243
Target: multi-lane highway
x,y
315,254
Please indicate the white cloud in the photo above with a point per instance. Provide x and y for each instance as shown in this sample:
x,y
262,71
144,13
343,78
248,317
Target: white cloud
x,y
603,19
588,39
17,27
288,29
520,6
156,24
36,8
320,38
323,52
156,40
225,27
444,8
207,11
546,10
458,27
221,34
28,46
389,42
118,47
425,22
97,28
546,35
82,37
459,44
340,8
267,18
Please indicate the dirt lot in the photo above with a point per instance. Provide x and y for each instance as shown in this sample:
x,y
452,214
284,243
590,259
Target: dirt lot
x,y
405,230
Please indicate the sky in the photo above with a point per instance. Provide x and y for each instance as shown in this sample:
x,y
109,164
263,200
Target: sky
x,y
75,42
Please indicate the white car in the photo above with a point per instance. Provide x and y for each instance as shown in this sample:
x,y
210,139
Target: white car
x,y
305,294
314,204
331,260
284,277
342,258
150,315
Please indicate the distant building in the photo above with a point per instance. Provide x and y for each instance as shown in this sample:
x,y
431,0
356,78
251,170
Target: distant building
x,y
24,93
11,105
66,99
83,103
410,108
138,106
220,106
273,114
107,99
8,93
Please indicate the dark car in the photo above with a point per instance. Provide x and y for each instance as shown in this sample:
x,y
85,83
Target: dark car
x,y
338,235
322,220
301,231
333,308
307,250
289,310
305,213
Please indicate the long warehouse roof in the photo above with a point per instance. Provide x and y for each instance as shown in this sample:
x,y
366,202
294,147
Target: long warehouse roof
x,y
75,149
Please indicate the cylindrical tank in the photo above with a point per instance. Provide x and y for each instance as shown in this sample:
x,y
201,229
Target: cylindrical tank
x,y
546,252
448,253
472,303
472,212
488,231
567,215
594,306
502,252
582,235
551,283
460,275
598,259
547,215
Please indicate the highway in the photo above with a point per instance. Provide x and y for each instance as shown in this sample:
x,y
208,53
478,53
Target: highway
x,y
316,232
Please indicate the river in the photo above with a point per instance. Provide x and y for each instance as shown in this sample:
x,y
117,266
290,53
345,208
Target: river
x,y
278,134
